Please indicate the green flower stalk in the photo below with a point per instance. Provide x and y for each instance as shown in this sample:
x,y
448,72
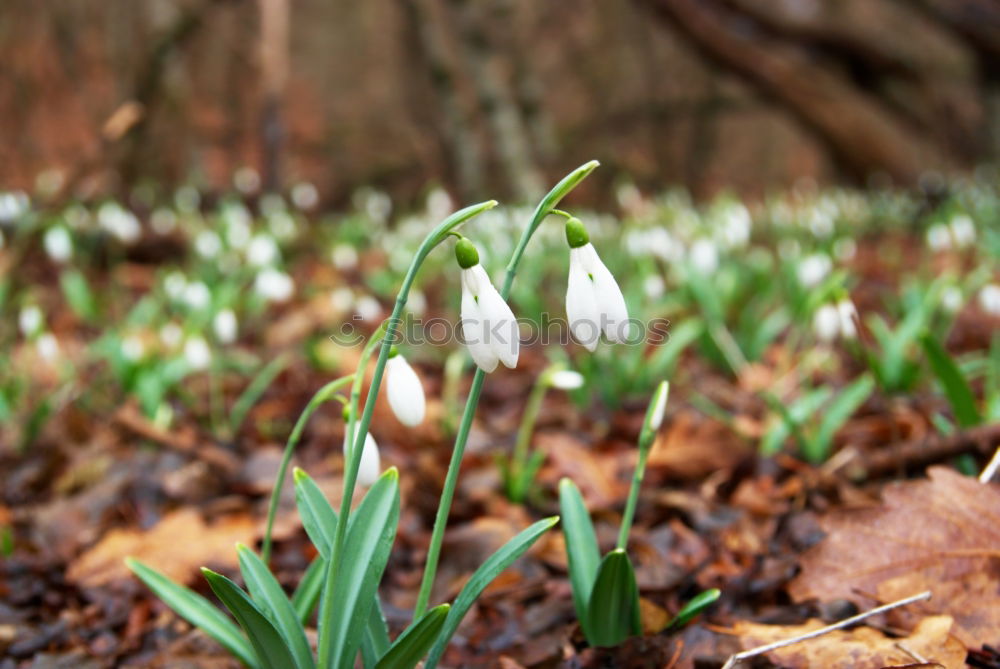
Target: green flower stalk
x,y
650,426
358,428
544,208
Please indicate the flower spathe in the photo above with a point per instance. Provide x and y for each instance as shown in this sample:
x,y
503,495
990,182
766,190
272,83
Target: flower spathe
x,y
488,325
594,302
405,392
371,464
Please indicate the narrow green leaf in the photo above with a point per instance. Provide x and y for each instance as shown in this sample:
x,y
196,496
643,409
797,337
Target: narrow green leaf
x,y
836,414
266,640
370,534
197,610
376,641
581,547
260,383
318,517
268,595
78,294
956,388
307,593
413,644
482,577
613,610
698,604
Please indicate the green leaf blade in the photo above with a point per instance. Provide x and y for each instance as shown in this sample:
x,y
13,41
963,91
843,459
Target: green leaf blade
x,y
270,648
197,610
696,605
413,644
956,388
836,414
318,517
613,610
582,552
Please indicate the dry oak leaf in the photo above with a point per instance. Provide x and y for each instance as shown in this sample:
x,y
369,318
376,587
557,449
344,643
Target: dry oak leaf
x,y
178,545
940,534
859,648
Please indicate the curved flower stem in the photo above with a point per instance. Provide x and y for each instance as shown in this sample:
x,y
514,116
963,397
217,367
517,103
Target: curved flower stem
x,y
359,428
321,396
633,498
543,209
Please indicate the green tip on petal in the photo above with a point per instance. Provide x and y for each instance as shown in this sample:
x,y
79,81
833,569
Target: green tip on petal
x,y
346,413
576,234
466,253
393,351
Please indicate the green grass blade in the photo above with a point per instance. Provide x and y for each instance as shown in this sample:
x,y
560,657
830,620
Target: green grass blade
x,y
413,644
581,547
307,593
197,610
265,639
698,604
370,534
613,610
318,517
268,595
956,388
482,577
264,378
376,641
835,415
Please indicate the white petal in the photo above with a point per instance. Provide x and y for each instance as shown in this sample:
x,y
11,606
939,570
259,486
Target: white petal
x,y
566,379
847,313
473,320
406,394
499,326
370,467
826,323
610,301
581,301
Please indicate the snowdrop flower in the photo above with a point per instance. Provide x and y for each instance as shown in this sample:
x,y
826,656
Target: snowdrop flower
x,y
133,349
963,230
704,256
207,244
845,248
371,463
736,226
654,286
188,199
826,323
171,335
47,346
119,222
344,257
196,295
281,224
174,285
989,299
164,221
416,303
13,205
262,251
237,225
488,325
274,285
439,204
848,315
30,320
341,299
938,237
566,379
304,195
594,302
814,269
368,308
951,299
246,180
196,353
58,243
225,326
406,394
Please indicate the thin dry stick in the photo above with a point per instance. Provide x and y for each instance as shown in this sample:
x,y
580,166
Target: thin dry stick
x,y
991,468
760,650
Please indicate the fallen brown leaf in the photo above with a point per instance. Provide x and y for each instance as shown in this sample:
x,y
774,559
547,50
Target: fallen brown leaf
x,y
178,545
860,648
940,534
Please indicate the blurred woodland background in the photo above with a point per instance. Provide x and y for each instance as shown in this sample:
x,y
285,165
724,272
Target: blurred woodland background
x,y
495,97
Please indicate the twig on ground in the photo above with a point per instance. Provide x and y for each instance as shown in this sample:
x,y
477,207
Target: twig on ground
x,y
767,648
991,469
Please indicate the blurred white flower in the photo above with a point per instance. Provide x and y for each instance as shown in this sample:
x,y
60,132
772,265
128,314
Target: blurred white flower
x,y
405,392
416,303
58,243
174,285
282,225
341,299
826,323
47,346
187,199
952,299
938,237
989,299
305,196
225,326
262,250
274,285
378,206
118,222
238,221
848,315
704,256
344,257
246,180
197,353
13,205
272,203
629,198
439,204
654,286
566,379
171,335
368,308
197,295
207,244
163,221
845,248
813,269
963,230
736,226
133,348
371,465
30,320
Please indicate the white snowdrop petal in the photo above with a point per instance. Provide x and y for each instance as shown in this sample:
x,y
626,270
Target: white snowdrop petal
x,y
581,302
826,323
989,299
405,392
474,333
225,326
847,313
499,326
371,465
566,379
